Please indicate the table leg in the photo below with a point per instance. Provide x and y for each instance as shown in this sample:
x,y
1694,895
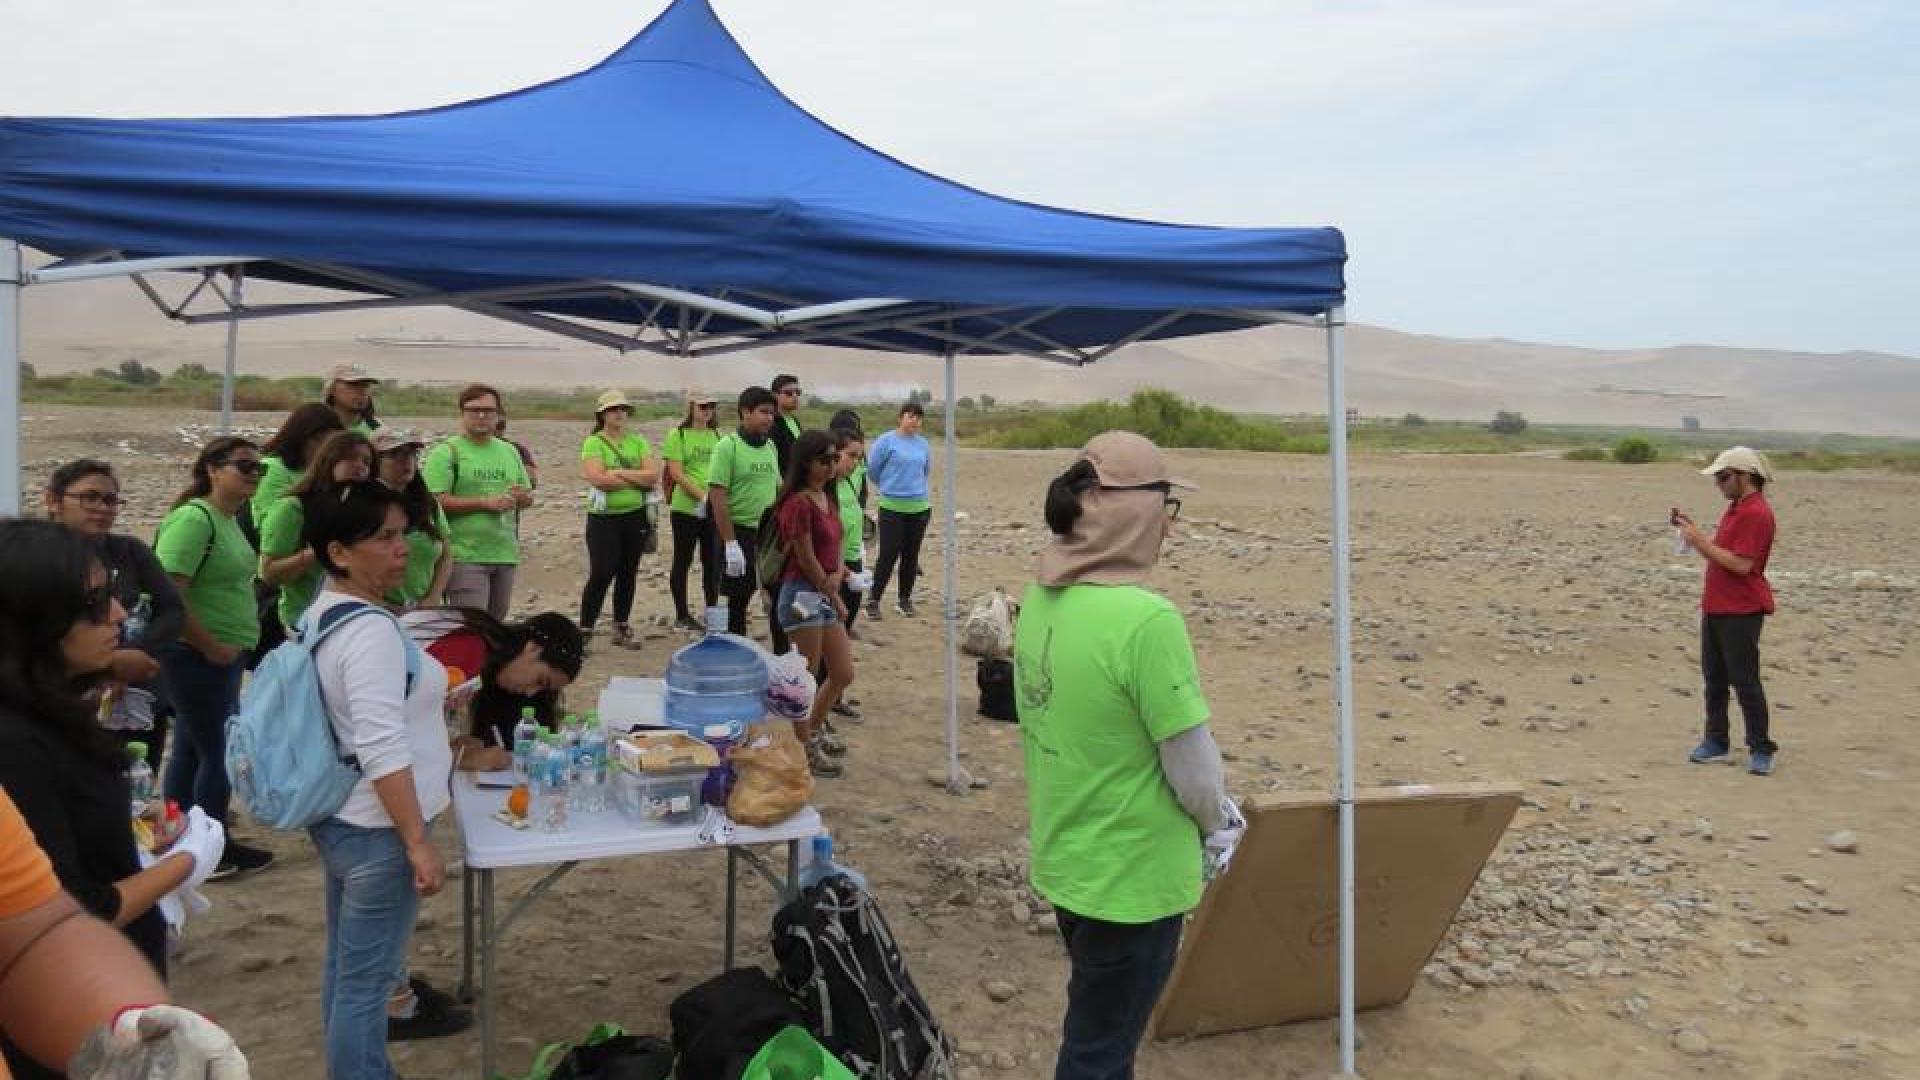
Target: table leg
x,y
465,990
733,886
488,944
791,889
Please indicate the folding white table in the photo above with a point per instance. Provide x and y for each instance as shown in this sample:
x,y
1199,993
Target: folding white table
x,y
492,845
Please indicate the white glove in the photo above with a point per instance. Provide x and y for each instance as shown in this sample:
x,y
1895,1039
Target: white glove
x,y
859,581
205,841
700,510
159,1042
1221,843
736,560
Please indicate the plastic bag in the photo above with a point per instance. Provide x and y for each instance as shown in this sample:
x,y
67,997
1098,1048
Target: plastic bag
x,y
988,631
790,685
772,782
794,1055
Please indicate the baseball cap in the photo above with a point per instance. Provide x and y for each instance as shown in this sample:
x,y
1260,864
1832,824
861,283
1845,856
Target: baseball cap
x,y
387,440
612,399
701,397
1123,459
1742,459
346,371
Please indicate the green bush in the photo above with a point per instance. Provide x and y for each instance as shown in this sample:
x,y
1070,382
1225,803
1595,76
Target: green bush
x,y
1634,450
1160,415
1413,419
1507,423
1585,453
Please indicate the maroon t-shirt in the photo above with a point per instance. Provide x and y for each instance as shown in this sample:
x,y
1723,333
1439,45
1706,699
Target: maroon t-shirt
x,y
798,516
1745,529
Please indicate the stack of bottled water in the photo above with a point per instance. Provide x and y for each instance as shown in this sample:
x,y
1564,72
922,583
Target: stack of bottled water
x,y
526,745
552,770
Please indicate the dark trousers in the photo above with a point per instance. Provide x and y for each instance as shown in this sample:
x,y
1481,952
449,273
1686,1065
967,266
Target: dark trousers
x,y
900,537
203,696
693,535
1730,660
614,542
739,591
777,639
1119,970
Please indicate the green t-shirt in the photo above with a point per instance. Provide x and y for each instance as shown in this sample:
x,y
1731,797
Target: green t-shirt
x,y
905,506
630,452
1102,674
276,479
279,538
750,474
199,542
692,447
853,517
361,427
470,470
423,554
792,422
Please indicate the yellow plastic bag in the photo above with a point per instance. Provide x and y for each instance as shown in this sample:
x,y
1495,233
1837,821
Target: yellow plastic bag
x,y
771,779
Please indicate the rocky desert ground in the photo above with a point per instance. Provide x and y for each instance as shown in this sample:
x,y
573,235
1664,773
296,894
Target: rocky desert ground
x,y
1517,619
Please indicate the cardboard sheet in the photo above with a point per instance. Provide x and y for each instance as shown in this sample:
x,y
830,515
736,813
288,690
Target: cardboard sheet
x,y
1263,947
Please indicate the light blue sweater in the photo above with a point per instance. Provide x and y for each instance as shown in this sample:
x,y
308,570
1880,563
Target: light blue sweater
x,y
898,466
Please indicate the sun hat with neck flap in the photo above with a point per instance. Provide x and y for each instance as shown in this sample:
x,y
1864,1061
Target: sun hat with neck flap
x,y
1122,524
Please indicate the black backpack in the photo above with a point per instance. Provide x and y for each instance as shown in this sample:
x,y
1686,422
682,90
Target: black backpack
x,y
719,1025
839,961
994,676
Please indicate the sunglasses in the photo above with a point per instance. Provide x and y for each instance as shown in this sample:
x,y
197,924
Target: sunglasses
x,y
243,466
93,499
479,410
1172,501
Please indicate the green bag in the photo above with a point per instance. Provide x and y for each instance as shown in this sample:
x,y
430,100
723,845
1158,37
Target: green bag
x,y
794,1055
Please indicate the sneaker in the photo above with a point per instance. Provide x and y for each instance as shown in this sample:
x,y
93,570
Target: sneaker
x,y
904,607
819,763
1708,752
832,744
1760,763
688,622
873,610
846,711
239,860
622,634
435,1014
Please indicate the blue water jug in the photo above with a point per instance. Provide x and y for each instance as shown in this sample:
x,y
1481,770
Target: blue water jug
x,y
716,687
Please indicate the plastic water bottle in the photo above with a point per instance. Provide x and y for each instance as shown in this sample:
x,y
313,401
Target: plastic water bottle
x,y
526,740
554,770
135,627
570,741
139,776
821,865
594,747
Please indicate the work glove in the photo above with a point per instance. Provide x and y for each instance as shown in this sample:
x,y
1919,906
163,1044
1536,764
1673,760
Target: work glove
x,y
859,582
1221,843
159,1042
736,560
205,840
700,510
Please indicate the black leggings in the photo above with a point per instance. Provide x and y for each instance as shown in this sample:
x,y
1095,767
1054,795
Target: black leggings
x,y
613,558
690,534
900,537
739,590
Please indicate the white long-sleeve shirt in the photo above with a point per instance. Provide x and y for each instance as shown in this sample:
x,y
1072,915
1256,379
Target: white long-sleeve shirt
x,y
363,674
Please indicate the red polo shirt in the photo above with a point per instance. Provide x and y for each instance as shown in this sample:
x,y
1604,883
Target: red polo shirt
x,y
1746,529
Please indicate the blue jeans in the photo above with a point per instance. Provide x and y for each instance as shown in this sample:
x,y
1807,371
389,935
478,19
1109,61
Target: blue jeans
x,y
1119,970
370,911
203,695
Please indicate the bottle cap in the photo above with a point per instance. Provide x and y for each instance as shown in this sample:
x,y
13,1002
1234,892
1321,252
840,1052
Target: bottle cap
x,y
138,750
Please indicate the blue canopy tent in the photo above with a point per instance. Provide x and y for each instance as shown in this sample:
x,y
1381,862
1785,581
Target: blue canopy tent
x,y
669,199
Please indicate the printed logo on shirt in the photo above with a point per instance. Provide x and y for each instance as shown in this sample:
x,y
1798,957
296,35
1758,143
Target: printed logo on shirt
x,y
1036,680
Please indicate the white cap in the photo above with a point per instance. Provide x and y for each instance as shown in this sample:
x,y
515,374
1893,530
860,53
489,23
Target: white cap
x,y
1741,459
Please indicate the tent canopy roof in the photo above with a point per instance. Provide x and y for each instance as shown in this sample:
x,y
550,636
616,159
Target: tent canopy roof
x,y
674,164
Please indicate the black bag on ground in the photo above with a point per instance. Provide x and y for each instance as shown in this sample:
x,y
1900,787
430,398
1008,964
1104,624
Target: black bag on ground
x,y
719,1025
623,1057
994,676
839,960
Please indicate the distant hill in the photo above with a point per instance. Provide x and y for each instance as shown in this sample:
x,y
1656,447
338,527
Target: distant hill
x,y
1275,370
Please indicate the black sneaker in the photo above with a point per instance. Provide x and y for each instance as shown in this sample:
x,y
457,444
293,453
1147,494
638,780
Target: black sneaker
x,y
688,622
239,861
873,610
435,1014
905,607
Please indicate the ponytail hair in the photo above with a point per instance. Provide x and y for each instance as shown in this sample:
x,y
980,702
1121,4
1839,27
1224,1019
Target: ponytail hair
x,y
1063,496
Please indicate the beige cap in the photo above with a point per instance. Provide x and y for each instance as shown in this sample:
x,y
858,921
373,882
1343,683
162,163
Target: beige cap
x,y
387,440
701,397
1126,460
1742,459
346,371
612,399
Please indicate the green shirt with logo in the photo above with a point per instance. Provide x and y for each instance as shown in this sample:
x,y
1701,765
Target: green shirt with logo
x,y
471,470
751,475
628,452
279,538
1102,674
692,447
198,542
423,554
853,516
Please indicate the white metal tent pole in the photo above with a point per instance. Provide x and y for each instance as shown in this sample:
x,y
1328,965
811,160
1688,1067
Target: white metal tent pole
x,y
1342,665
233,351
11,436
950,603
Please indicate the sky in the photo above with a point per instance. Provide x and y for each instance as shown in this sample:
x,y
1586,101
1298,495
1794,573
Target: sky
x,y
1622,174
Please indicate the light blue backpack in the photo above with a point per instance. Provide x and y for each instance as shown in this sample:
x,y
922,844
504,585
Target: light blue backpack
x,y
286,766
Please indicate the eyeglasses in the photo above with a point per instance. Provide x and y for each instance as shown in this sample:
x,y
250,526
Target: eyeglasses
x,y
1172,502
791,391
480,410
95,499
244,466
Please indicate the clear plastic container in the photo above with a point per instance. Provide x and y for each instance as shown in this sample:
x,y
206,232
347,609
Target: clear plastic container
x,y
658,798
716,687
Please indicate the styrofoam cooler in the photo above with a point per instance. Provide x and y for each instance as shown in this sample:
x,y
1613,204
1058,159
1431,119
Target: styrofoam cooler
x,y
628,701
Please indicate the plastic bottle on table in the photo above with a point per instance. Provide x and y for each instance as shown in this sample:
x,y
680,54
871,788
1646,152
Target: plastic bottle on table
x,y
554,772
139,777
526,740
593,758
821,866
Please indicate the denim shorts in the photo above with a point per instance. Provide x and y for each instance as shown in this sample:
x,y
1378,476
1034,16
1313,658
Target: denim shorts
x,y
801,607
